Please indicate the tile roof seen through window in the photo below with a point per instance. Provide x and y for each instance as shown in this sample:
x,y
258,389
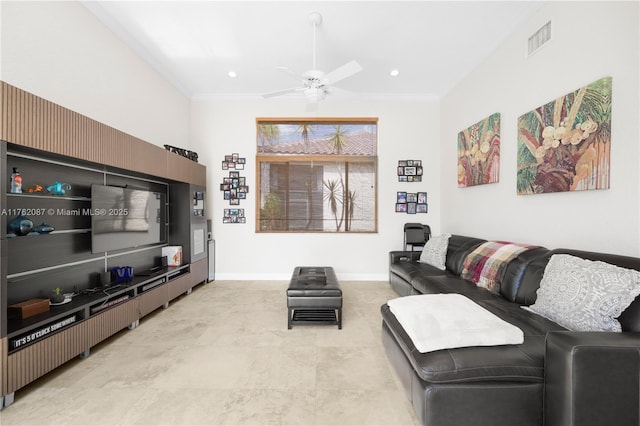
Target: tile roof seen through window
x,y
356,144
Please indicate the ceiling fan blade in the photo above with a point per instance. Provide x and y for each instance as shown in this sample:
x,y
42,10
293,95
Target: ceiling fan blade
x,y
346,70
291,73
281,92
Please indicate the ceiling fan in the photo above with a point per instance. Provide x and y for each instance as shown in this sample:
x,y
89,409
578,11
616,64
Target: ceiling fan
x,y
316,85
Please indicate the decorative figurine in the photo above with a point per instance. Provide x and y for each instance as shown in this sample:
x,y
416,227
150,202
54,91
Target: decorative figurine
x,y
59,188
20,225
44,228
35,188
16,181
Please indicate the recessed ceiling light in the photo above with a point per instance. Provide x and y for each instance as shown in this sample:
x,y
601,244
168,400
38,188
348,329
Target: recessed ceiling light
x,y
394,73
232,74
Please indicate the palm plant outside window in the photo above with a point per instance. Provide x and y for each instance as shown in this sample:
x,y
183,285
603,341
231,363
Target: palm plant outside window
x,y
317,175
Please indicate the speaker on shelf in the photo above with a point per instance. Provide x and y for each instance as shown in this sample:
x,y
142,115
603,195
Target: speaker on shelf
x,y
105,278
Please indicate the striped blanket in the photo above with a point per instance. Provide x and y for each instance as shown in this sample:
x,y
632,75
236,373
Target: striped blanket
x,y
486,264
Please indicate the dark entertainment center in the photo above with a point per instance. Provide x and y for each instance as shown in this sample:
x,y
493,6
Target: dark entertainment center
x,y
114,202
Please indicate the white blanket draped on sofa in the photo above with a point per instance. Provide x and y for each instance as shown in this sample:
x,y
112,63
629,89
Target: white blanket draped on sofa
x,y
445,321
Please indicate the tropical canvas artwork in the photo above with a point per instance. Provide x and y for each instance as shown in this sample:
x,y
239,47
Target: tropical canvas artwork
x,y
565,144
479,152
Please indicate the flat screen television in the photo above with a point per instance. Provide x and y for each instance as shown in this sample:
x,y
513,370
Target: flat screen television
x,y
123,218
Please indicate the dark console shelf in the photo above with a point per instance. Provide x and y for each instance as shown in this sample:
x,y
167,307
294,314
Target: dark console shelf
x,y
82,303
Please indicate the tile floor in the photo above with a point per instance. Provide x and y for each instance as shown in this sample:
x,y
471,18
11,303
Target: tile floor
x,y
223,356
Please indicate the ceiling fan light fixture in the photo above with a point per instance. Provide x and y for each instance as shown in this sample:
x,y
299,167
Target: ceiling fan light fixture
x,y
314,94
394,73
316,85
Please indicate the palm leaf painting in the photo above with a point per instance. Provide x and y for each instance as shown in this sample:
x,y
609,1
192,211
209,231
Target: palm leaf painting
x,y
565,144
479,152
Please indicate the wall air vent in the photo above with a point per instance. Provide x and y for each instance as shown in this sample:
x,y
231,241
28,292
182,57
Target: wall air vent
x,y
539,38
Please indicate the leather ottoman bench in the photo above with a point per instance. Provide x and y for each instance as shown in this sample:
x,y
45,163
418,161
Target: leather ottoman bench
x,y
314,296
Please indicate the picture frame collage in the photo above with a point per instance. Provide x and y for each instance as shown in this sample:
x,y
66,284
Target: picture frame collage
x,y
233,161
411,202
234,216
234,188
410,171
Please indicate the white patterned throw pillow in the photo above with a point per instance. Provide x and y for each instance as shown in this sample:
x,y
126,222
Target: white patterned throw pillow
x,y
434,252
585,295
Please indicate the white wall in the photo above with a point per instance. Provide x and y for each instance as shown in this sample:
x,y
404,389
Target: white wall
x,y
406,130
59,51
590,40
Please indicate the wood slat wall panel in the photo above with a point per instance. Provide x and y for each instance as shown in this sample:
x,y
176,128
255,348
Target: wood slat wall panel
x,y
34,361
149,158
4,348
182,169
198,175
3,110
31,121
178,167
106,324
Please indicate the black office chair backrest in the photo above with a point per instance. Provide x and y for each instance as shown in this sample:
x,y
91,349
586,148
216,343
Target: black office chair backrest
x,y
416,235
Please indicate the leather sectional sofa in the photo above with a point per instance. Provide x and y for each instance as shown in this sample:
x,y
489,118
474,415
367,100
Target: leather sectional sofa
x,y
555,377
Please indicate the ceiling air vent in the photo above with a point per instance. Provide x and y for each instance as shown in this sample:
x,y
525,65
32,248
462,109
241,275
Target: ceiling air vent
x,y
539,38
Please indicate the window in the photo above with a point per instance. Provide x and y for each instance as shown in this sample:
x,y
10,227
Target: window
x,y
317,175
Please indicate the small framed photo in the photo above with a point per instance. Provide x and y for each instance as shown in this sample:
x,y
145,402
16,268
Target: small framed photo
x,y
410,171
412,197
402,197
411,208
422,197
234,174
401,207
421,208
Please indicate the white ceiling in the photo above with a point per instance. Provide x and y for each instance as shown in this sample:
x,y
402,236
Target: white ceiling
x,y
194,44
